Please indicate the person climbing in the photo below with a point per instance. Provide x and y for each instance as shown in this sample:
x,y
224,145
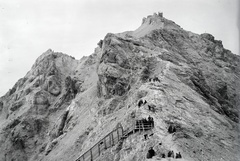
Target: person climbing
x,y
151,153
140,103
163,155
172,155
174,129
169,154
170,129
156,79
145,136
178,155
151,108
151,121
144,102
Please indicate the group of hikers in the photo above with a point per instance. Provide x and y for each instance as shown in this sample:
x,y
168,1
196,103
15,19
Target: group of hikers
x,y
170,154
149,120
155,79
171,129
150,107
141,102
145,121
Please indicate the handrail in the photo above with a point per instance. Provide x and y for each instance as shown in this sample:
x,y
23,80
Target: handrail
x,y
109,140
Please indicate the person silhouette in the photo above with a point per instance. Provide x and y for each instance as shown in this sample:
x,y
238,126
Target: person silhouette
x,y
151,153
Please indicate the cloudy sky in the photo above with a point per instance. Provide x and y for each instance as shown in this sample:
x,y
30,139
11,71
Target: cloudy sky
x,y
30,27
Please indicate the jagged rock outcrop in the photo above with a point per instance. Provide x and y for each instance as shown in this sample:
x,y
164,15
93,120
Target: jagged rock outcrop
x,y
17,105
53,85
114,68
188,83
33,96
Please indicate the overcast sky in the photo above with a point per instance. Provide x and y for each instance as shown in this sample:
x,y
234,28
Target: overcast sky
x,y
30,27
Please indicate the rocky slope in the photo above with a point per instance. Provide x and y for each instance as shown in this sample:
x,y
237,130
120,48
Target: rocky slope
x,y
63,106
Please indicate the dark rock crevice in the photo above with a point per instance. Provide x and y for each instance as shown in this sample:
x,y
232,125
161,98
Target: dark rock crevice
x,y
62,123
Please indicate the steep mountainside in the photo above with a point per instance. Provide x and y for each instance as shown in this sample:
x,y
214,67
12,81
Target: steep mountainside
x,y
63,106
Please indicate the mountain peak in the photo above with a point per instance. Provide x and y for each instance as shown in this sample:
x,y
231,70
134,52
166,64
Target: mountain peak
x,y
154,22
186,83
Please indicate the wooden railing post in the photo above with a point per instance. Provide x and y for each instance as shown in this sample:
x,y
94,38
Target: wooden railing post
x,y
99,152
134,126
118,134
91,154
105,144
104,141
112,139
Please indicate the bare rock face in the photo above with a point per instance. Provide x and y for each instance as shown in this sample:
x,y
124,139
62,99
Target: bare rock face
x,y
32,96
20,136
188,83
114,68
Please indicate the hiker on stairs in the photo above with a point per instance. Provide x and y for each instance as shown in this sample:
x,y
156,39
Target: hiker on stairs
x,y
151,121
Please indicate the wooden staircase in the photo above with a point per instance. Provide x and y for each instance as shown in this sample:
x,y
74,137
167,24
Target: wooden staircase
x,y
115,137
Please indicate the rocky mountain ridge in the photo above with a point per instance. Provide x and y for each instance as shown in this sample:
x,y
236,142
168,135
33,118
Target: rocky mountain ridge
x,y
63,106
